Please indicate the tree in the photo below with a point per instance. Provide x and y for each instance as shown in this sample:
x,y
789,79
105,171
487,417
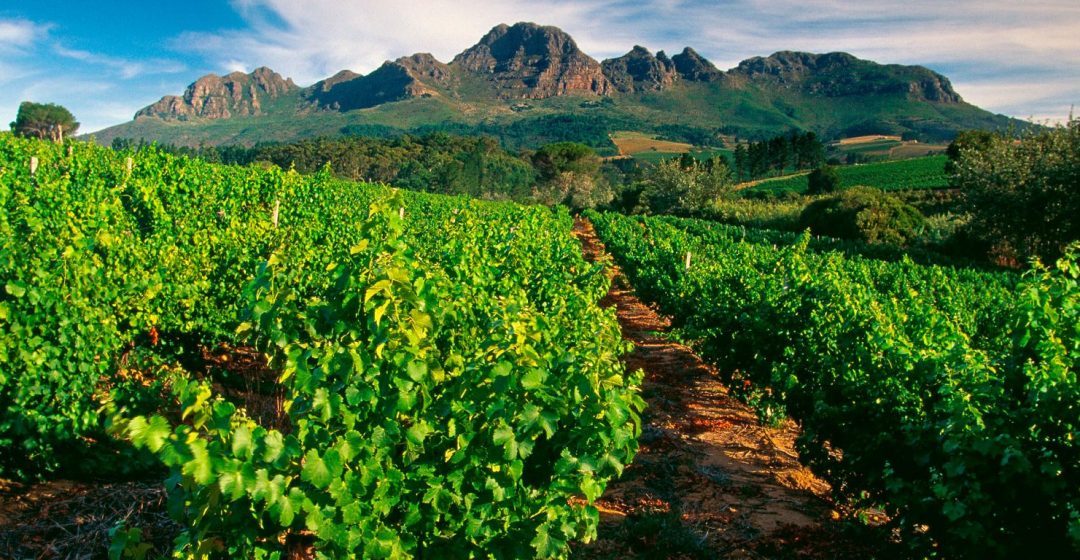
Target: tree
x,y
570,174
967,140
865,214
824,179
47,121
1023,194
685,185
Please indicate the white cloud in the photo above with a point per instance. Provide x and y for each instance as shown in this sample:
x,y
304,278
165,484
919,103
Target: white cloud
x,y
126,69
311,40
20,33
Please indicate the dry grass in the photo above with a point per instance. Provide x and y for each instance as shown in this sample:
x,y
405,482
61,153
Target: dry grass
x,y
630,143
866,139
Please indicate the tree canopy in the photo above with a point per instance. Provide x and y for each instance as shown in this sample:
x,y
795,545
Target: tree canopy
x,y
47,121
1023,194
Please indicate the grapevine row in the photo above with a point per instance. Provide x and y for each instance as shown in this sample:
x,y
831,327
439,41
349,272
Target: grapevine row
x,y
948,396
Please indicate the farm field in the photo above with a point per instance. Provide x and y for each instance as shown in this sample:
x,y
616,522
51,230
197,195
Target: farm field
x,y
630,143
914,371
441,372
884,147
313,365
648,149
911,174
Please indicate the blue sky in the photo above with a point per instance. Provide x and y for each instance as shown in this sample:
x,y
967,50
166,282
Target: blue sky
x,y
105,59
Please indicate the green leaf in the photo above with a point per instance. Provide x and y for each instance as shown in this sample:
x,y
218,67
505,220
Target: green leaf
x,y
200,467
545,545
417,433
241,443
16,289
591,488
417,370
502,435
287,507
533,379
274,445
359,247
152,434
375,288
320,471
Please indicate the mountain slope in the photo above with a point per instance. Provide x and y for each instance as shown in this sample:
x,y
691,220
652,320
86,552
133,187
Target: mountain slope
x,y
530,84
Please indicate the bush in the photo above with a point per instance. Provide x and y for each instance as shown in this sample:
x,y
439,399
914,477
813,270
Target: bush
x,y
866,214
822,180
1023,194
685,185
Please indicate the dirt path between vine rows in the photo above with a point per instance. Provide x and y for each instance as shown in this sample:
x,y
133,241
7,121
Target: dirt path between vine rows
x,y
709,480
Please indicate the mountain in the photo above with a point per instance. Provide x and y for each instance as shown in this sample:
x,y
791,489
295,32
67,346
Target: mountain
x,y
530,84
221,97
532,61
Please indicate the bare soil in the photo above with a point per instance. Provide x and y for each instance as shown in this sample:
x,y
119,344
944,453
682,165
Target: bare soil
x,y
709,480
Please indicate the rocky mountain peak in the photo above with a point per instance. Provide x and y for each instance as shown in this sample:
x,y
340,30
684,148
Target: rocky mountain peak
x,y
418,75
694,67
840,74
638,70
527,60
220,97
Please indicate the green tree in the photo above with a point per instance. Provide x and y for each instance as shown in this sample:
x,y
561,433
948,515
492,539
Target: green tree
x,y
1023,195
964,141
824,179
865,214
685,185
47,121
569,173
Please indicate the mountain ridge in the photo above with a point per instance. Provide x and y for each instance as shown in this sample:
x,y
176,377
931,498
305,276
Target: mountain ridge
x,y
527,70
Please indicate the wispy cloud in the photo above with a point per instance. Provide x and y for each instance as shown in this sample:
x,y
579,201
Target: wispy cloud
x,y
20,33
311,40
125,68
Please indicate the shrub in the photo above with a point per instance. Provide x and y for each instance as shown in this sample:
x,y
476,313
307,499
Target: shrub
x,y
1023,194
866,214
824,179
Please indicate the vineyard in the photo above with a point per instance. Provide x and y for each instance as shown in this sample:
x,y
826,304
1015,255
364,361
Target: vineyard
x,y
436,376
945,396
911,174
447,379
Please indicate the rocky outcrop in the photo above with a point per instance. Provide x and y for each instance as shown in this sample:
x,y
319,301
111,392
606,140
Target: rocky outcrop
x,y
638,70
221,97
693,67
418,75
534,62
840,74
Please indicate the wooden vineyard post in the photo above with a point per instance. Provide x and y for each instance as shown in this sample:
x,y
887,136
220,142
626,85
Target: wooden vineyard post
x,y
277,208
71,150
33,165
688,260
401,212
130,163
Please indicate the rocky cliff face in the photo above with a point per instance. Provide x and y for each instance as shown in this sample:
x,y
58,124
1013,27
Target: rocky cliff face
x,y
411,76
221,97
695,68
531,61
638,70
841,74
